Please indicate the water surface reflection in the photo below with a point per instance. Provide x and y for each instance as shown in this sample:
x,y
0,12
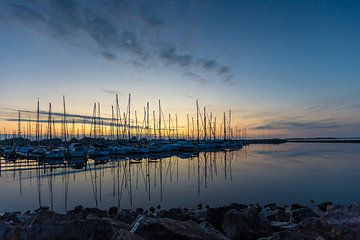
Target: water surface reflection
x,y
284,173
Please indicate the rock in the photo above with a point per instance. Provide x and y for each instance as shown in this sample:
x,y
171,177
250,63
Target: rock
x,y
11,232
341,222
295,235
296,206
139,211
208,228
126,216
246,224
95,212
10,217
197,216
274,206
42,208
215,216
152,209
300,214
126,235
166,228
280,226
175,213
75,229
112,212
279,215
78,209
291,231
51,218
238,206
324,206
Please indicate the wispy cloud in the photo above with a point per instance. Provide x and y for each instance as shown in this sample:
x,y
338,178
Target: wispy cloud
x,y
294,125
117,27
111,91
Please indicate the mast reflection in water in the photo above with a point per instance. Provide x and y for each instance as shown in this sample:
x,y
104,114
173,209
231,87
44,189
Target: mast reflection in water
x,y
254,174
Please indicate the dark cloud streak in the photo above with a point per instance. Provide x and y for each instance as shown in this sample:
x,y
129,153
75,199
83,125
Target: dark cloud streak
x,y
107,24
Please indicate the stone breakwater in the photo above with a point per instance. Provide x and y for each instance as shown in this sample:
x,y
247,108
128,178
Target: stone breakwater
x,y
236,221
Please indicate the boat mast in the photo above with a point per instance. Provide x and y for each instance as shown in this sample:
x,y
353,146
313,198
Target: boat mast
x,y
19,125
188,132
214,128
210,126
99,123
224,126
193,128
129,105
112,123
176,126
29,131
136,124
148,120
230,130
49,123
37,121
64,120
197,121
154,124
159,119
169,133
204,124
53,128
117,117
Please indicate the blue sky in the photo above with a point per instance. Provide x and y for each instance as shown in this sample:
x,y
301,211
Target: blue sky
x,y
285,68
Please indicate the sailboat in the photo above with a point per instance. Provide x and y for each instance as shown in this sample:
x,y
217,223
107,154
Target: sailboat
x,y
77,150
55,153
98,150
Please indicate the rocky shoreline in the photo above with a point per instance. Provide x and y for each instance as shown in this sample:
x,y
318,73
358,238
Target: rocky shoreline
x,y
235,221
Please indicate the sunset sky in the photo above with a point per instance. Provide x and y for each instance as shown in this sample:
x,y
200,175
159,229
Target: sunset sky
x,y
284,68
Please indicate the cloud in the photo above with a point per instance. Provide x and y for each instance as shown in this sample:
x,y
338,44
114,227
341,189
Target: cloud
x,y
207,64
26,14
196,77
172,57
110,91
118,28
294,125
109,56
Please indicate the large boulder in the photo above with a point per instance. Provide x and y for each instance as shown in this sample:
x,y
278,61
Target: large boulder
x,y
295,235
279,215
166,228
215,216
246,224
303,231
127,216
299,215
324,206
11,232
76,229
175,213
341,222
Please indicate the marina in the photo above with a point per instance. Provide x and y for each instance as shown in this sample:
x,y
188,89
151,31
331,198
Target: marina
x,y
215,178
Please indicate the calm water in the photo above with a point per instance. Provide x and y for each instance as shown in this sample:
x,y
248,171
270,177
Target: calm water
x,y
287,173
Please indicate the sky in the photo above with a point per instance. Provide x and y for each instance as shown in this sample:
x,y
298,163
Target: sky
x,y
284,68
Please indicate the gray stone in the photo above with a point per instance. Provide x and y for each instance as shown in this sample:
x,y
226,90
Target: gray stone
x,y
246,224
300,214
215,216
341,223
279,215
166,228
